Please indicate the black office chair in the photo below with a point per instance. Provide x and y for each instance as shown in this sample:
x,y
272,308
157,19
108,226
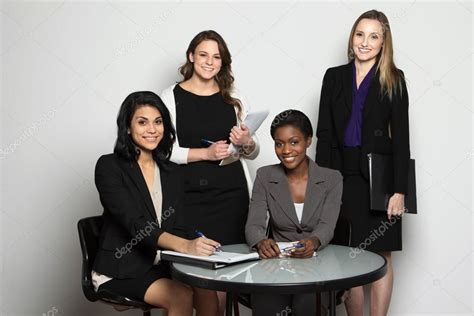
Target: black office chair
x,y
89,230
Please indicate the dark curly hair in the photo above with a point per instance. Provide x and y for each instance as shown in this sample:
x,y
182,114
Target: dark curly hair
x,y
124,145
294,118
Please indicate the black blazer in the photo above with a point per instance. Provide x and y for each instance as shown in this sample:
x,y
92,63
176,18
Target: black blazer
x,y
384,124
128,240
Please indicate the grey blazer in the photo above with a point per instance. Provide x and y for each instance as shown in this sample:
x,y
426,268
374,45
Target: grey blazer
x,y
271,196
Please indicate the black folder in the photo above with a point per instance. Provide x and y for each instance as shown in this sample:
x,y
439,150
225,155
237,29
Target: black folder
x,y
381,183
193,262
204,262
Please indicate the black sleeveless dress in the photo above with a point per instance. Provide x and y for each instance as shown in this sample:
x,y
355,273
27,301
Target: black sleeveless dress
x,y
216,197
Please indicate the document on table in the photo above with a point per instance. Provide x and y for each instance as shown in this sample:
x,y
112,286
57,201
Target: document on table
x,y
217,260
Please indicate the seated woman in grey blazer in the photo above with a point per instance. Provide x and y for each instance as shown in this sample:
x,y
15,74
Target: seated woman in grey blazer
x,y
302,201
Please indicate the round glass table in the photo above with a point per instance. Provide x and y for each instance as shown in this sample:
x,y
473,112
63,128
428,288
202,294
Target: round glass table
x,y
334,268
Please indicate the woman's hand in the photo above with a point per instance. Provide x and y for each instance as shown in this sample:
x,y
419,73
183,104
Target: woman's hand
x,y
267,248
218,151
240,136
202,246
396,205
309,246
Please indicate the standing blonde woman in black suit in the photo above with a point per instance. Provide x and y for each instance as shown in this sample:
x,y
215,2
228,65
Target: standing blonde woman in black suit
x,y
364,109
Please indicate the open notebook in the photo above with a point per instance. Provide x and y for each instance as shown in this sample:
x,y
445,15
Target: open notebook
x,y
215,261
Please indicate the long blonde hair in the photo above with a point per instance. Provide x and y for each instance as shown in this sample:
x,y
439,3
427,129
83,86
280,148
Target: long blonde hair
x,y
390,77
225,78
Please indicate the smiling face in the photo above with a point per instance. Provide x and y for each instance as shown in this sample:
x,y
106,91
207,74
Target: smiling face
x,y
290,146
206,60
367,40
146,128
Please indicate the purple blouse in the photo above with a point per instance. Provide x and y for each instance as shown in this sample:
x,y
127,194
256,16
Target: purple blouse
x,y
352,136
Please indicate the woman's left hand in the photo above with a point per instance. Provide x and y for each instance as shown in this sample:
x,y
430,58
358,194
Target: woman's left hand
x,y
396,205
309,246
239,136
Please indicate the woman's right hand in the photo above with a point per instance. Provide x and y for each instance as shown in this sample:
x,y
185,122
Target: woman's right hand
x,y
268,248
218,150
202,246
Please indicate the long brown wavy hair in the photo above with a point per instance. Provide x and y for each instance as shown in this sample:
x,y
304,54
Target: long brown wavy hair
x,y
390,77
225,78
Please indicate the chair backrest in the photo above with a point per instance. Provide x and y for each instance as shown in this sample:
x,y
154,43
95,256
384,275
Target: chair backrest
x,y
89,231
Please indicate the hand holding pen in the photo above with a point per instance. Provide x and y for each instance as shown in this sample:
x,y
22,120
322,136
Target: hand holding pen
x,y
202,246
288,251
216,150
215,246
307,248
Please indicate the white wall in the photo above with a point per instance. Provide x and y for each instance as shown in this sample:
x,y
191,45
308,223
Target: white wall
x,y
67,66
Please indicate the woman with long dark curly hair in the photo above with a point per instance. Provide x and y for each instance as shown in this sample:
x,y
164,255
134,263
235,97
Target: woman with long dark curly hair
x,y
208,118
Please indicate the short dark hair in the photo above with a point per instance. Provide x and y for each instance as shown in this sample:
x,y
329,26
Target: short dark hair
x,y
124,145
294,118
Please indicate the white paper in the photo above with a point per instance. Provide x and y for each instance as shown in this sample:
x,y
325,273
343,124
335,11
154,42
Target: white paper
x,y
285,244
220,257
253,120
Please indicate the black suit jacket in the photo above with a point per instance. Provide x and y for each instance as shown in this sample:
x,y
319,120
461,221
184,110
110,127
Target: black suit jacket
x,y
129,236
384,124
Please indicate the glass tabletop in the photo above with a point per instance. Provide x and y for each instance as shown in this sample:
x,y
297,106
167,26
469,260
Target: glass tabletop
x,y
334,267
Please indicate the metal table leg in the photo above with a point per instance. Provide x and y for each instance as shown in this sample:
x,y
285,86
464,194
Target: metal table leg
x,y
228,303
332,303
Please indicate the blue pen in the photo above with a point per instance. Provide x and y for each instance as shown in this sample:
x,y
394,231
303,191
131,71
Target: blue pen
x,y
199,234
206,142
296,246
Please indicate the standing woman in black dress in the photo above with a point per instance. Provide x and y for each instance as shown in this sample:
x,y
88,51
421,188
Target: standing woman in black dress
x,y
208,118
364,109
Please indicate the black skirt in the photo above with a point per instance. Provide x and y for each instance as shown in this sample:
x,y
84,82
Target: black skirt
x,y
136,288
358,226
